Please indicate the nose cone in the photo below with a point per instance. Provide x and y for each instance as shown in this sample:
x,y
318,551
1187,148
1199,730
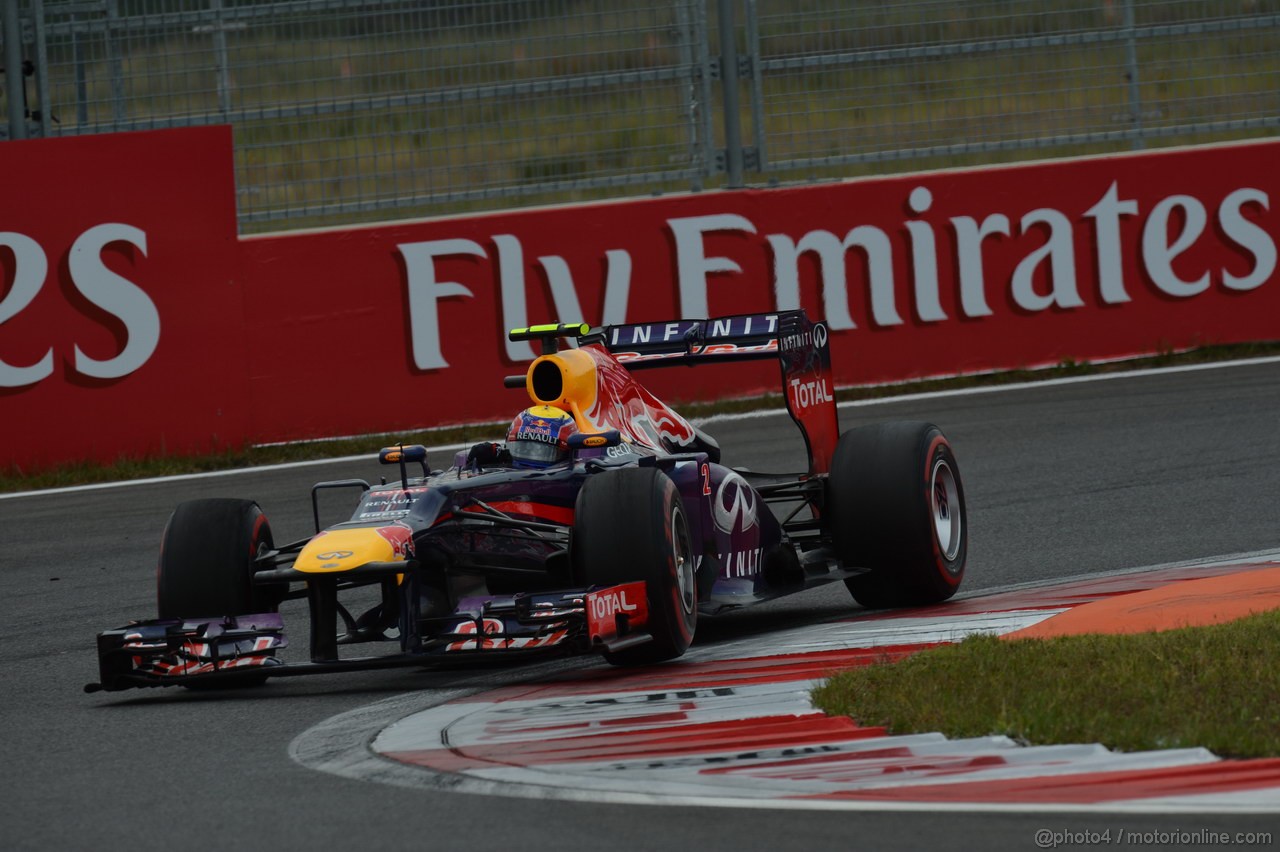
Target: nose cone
x,y
334,551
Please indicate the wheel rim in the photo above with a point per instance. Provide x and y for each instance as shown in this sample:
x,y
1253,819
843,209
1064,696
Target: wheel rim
x,y
944,505
684,565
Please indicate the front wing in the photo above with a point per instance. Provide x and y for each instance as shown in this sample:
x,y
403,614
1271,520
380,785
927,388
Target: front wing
x,y
236,649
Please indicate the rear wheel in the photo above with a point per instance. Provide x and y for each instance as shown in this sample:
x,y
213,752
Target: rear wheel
x,y
895,506
630,525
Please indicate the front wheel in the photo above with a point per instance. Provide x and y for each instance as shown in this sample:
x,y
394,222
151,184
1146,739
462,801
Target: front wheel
x,y
630,525
207,561
895,506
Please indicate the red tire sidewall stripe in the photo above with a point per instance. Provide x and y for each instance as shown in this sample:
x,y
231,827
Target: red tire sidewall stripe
x,y
681,621
940,562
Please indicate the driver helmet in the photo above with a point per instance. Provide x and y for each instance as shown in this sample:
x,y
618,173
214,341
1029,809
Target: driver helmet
x,y
539,436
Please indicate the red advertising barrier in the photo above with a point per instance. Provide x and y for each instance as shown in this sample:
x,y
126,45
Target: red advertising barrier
x,y
401,325
121,314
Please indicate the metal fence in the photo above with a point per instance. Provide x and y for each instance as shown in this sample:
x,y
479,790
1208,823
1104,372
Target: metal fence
x,y
355,109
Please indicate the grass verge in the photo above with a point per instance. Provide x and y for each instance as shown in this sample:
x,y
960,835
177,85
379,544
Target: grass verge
x,y
1215,686
14,478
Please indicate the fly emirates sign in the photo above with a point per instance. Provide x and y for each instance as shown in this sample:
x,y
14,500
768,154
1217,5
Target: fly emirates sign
x,y
1123,243
133,318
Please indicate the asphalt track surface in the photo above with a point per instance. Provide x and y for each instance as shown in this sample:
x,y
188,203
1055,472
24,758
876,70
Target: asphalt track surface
x,y
1061,481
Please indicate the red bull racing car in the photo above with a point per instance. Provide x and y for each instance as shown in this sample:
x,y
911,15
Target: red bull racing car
x,y
606,522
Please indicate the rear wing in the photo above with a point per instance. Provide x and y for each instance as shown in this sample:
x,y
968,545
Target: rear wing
x,y
801,346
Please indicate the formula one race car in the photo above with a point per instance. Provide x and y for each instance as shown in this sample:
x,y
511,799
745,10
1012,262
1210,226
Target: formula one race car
x,y
606,522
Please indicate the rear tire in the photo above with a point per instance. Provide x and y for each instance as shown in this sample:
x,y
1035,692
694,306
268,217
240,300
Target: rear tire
x,y
630,525
895,506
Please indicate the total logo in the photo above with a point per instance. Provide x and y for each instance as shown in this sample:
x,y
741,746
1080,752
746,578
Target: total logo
x,y
610,604
808,394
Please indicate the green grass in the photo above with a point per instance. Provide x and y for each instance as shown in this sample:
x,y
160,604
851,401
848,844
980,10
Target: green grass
x,y
509,149
14,478
1215,686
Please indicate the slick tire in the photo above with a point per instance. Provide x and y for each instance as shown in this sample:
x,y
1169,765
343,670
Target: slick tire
x,y
207,565
895,506
630,525
207,560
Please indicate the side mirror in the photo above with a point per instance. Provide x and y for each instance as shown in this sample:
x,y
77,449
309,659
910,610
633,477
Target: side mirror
x,y
596,440
402,456
396,455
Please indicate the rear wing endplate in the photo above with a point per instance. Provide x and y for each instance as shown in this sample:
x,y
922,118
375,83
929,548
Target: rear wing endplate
x,y
800,345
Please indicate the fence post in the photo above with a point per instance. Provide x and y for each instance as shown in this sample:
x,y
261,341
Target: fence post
x,y
1131,61
757,84
82,83
42,69
703,47
729,88
691,102
222,58
15,87
115,64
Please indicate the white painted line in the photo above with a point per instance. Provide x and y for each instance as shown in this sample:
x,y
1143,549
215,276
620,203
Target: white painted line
x,y
212,474
715,418
1046,383
1223,561
860,634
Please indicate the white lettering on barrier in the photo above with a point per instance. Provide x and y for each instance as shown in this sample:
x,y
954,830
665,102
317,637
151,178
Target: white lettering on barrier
x,y
117,296
1060,252
1044,277
1249,237
924,258
1106,225
425,292
831,252
969,237
102,287
1057,253
29,269
1159,254
692,262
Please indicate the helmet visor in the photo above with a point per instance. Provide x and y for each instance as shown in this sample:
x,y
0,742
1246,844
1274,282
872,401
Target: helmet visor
x,y
535,453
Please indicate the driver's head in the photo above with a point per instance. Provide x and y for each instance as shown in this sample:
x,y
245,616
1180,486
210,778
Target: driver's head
x,y
539,436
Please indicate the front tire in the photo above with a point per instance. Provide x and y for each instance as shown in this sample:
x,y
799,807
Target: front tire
x,y
630,525
895,506
207,560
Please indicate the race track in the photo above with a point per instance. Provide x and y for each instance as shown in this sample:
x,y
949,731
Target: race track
x,y
1061,480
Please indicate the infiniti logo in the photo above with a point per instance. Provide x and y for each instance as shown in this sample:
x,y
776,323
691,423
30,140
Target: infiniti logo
x,y
735,505
820,335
